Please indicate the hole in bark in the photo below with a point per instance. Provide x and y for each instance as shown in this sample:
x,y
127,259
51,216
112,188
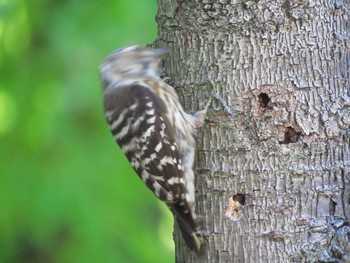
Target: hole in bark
x,y
264,100
235,205
290,136
240,198
332,207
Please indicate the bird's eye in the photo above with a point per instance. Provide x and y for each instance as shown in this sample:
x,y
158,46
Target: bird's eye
x,y
145,65
124,71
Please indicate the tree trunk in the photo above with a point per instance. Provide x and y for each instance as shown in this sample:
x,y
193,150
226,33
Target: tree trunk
x,y
273,180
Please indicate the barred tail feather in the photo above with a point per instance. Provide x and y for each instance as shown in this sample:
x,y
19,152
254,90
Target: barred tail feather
x,y
193,239
189,227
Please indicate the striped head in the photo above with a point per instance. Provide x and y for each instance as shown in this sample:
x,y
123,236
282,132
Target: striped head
x,y
127,65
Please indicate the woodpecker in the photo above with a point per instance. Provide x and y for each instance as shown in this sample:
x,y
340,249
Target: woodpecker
x,y
157,136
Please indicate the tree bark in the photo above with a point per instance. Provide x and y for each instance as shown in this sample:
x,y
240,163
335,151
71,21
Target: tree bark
x,y
273,181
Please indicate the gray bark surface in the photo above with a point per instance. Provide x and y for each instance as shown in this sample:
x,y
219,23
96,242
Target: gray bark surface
x,y
273,181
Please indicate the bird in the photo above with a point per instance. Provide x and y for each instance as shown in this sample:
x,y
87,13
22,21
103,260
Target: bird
x,y
157,136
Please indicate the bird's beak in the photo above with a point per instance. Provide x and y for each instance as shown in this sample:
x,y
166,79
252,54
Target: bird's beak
x,y
160,52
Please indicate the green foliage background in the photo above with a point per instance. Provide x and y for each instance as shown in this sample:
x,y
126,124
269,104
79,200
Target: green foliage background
x,y
67,193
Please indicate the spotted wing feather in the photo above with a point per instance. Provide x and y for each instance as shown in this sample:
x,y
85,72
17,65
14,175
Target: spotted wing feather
x,y
140,126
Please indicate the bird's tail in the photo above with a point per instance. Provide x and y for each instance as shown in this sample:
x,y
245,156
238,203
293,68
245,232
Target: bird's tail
x,y
189,228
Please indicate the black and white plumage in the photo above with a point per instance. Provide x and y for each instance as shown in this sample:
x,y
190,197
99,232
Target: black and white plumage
x,y
149,124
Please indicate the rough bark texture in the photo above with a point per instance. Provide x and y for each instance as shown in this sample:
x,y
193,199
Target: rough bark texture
x,y
273,181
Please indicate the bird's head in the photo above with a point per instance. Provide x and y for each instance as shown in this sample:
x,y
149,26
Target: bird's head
x,y
126,65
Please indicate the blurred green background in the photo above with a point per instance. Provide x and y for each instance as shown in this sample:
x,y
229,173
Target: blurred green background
x,y
67,193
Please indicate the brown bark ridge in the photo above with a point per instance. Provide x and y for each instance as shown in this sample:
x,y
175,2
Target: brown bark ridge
x,y
273,181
